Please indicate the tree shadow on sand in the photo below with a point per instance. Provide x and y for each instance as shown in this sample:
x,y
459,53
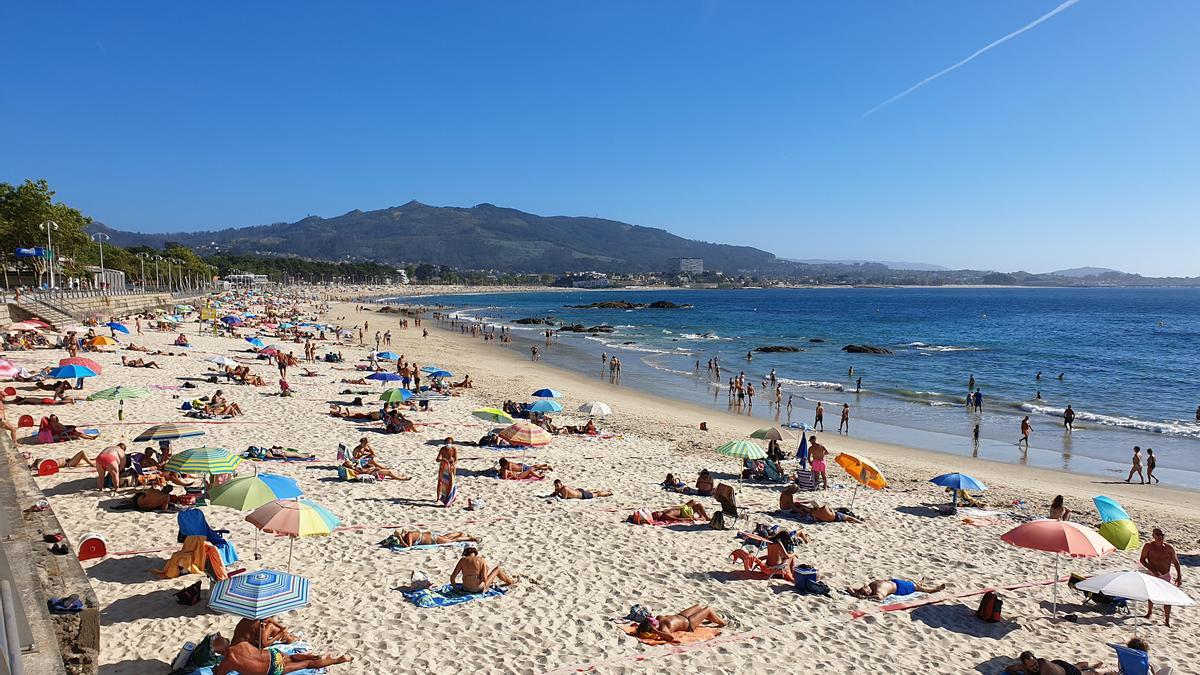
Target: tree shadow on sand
x,y
922,510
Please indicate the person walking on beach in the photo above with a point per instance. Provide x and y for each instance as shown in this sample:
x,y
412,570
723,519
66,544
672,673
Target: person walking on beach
x,y
817,453
533,353
1158,557
819,420
975,436
845,418
1137,466
1026,427
1069,419
1151,462
978,400
447,459
971,383
749,395
858,386
789,406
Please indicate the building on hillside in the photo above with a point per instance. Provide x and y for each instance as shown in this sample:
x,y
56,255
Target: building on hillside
x,y
584,280
688,265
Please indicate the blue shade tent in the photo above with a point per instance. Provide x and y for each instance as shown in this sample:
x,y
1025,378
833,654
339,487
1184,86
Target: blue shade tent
x,y
1109,509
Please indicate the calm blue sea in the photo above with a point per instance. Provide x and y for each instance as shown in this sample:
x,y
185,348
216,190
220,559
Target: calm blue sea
x,y
1128,359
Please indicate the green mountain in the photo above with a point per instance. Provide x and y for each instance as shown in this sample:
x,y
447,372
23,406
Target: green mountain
x,y
480,237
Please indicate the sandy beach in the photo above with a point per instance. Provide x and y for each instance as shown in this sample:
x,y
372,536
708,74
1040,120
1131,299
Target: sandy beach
x,y
580,565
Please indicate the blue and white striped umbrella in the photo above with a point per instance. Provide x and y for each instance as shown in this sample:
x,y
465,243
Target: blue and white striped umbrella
x,y
259,595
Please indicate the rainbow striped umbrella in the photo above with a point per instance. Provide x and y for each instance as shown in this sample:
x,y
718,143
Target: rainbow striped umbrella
x,y
250,492
168,432
203,460
294,518
526,433
260,594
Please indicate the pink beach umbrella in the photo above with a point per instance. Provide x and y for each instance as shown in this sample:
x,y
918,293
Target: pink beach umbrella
x,y
8,368
1060,538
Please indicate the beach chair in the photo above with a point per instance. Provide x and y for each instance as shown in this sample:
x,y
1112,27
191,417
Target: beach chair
x,y
1136,662
343,453
1099,599
772,471
193,523
806,480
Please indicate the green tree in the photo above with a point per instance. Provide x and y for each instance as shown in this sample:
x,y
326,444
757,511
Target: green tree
x,y
23,209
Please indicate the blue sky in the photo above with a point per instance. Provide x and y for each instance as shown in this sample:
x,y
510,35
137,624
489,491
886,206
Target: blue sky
x,y
1074,143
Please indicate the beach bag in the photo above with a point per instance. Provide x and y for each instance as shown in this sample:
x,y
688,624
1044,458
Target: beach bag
x,y
718,521
189,595
419,580
989,607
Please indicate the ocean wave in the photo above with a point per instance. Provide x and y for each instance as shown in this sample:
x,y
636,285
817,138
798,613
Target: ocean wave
x,y
1177,428
933,398
942,348
648,361
701,336
607,342
812,384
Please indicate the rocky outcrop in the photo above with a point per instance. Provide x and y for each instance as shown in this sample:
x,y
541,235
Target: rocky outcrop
x,y
770,349
625,304
535,321
815,340
580,328
866,349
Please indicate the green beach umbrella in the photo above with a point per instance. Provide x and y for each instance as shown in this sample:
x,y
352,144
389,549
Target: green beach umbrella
x,y
203,460
250,492
494,415
119,394
768,434
742,450
396,395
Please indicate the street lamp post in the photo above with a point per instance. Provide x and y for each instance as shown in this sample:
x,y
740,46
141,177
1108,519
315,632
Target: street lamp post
x,y
100,237
50,226
157,278
142,259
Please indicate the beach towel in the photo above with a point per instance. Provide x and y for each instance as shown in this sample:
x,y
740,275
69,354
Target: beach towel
x,y
189,560
427,547
701,634
447,491
445,596
294,648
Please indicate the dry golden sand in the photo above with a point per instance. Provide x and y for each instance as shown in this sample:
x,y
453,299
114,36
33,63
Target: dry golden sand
x,y
580,565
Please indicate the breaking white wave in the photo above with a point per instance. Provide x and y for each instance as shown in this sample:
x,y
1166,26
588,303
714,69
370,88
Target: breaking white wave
x,y
812,384
1178,428
921,346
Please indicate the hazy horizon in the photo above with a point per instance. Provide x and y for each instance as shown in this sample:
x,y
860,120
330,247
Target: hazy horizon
x,y
1027,135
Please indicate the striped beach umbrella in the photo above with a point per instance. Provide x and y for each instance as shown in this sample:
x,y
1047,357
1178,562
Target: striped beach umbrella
x,y
526,433
493,415
119,394
396,395
742,450
250,492
80,361
168,432
259,594
203,460
546,406
294,518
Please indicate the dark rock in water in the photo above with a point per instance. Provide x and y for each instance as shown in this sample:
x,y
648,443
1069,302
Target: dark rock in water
x,y
866,349
625,304
571,328
815,340
602,328
533,320
580,328
629,342
777,348
389,310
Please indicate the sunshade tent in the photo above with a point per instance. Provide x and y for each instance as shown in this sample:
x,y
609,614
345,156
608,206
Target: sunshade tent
x,y
1060,538
742,450
548,393
546,406
71,372
293,518
494,415
383,377
525,433
595,409
397,395
441,373
1116,526
387,356
119,393
862,470
168,432
203,460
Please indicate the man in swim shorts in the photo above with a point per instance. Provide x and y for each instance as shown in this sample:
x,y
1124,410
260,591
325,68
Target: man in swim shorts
x,y
817,453
563,492
1158,557
247,659
1031,664
881,588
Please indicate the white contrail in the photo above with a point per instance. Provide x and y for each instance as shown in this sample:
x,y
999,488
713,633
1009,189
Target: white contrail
x,y
972,57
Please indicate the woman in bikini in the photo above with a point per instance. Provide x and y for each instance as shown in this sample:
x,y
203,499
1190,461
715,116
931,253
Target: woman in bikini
x,y
664,627
476,577
407,538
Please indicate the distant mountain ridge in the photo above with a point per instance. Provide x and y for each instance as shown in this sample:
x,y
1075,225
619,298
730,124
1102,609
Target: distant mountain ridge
x,y
1077,272
480,237
890,264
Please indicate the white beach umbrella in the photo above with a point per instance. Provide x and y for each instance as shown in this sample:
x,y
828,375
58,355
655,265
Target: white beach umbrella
x,y
1136,586
222,360
595,409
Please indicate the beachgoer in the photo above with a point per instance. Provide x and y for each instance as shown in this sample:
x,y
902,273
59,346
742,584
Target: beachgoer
x,y
1069,418
247,659
1028,663
447,459
1137,466
858,385
158,499
563,492
820,417
975,435
685,513
510,470
261,632
1026,428
109,463
6,425
971,383
1058,511
704,483
845,423
818,511
979,400
664,627
881,588
476,577
817,454
1158,557
408,538
1151,463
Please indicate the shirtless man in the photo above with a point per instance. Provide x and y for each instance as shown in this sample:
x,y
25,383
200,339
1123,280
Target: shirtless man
x,y
563,492
1069,419
261,632
1137,466
476,577
518,471
881,588
1029,663
152,500
409,538
247,659
819,511
845,418
817,454
1158,557
820,418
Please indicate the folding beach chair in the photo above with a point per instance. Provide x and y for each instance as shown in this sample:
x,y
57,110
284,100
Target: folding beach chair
x,y
193,523
806,480
1136,662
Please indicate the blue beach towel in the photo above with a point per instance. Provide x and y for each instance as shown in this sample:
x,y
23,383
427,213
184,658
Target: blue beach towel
x,y
445,596
426,547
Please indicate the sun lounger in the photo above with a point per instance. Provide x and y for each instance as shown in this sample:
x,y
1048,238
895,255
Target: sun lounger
x,y
447,595
1136,662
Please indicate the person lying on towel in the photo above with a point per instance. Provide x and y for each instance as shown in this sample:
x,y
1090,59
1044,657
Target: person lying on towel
x,y
247,659
664,626
881,588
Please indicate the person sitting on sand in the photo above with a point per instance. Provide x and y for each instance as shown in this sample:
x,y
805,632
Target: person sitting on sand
x,y
818,511
476,577
664,626
345,413
510,470
182,341
1028,663
685,513
217,405
408,538
396,423
1058,511
77,459
881,588
563,492
158,499
588,429
368,466
261,632
674,484
466,383
247,659
138,363
704,483
363,449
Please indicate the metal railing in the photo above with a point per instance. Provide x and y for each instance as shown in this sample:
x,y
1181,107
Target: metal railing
x,y
11,663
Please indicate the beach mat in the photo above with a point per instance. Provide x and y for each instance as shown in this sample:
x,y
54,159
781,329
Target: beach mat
x,y
701,634
427,547
446,596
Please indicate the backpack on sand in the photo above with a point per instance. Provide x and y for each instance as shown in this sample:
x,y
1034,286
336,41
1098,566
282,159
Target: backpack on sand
x,y
989,607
